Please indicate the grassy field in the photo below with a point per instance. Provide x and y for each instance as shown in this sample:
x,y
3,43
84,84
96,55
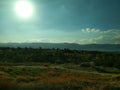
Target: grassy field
x,y
56,77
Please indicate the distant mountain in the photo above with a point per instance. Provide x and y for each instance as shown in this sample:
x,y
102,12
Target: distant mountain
x,y
73,46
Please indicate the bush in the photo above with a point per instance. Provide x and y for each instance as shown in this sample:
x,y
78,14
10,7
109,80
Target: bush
x,y
87,64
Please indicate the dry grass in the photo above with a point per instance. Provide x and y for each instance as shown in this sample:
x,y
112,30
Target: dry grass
x,y
58,80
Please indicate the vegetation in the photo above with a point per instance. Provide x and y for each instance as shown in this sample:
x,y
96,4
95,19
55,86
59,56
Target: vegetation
x,y
22,78
58,69
30,55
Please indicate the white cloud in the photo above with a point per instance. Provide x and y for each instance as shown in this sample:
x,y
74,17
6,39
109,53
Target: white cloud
x,y
99,36
90,30
89,40
111,32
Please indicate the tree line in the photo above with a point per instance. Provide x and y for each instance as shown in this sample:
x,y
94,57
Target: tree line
x,y
23,55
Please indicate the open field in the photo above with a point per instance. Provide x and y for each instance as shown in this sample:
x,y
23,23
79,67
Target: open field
x,y
56,77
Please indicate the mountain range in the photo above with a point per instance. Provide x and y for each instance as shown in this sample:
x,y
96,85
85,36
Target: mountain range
x,y
72,46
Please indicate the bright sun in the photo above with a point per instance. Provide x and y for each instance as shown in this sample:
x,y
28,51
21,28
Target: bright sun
x,y
24,9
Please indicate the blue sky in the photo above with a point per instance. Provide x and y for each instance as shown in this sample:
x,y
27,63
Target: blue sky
x,y
59,21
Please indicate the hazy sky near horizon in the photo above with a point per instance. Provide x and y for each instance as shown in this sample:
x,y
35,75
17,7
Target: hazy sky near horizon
x,y
59,21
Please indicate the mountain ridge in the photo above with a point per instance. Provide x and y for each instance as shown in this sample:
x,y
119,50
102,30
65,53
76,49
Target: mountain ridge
x,y
72,46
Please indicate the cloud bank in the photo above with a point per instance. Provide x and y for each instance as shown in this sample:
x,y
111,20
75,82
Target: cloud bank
x,y
83,36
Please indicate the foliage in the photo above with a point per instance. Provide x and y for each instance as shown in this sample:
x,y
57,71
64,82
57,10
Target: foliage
x,y
39,55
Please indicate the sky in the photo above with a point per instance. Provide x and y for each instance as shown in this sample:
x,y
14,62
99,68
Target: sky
x,y
62,21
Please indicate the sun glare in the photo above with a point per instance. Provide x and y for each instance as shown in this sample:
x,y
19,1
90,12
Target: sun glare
x,y
24,9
